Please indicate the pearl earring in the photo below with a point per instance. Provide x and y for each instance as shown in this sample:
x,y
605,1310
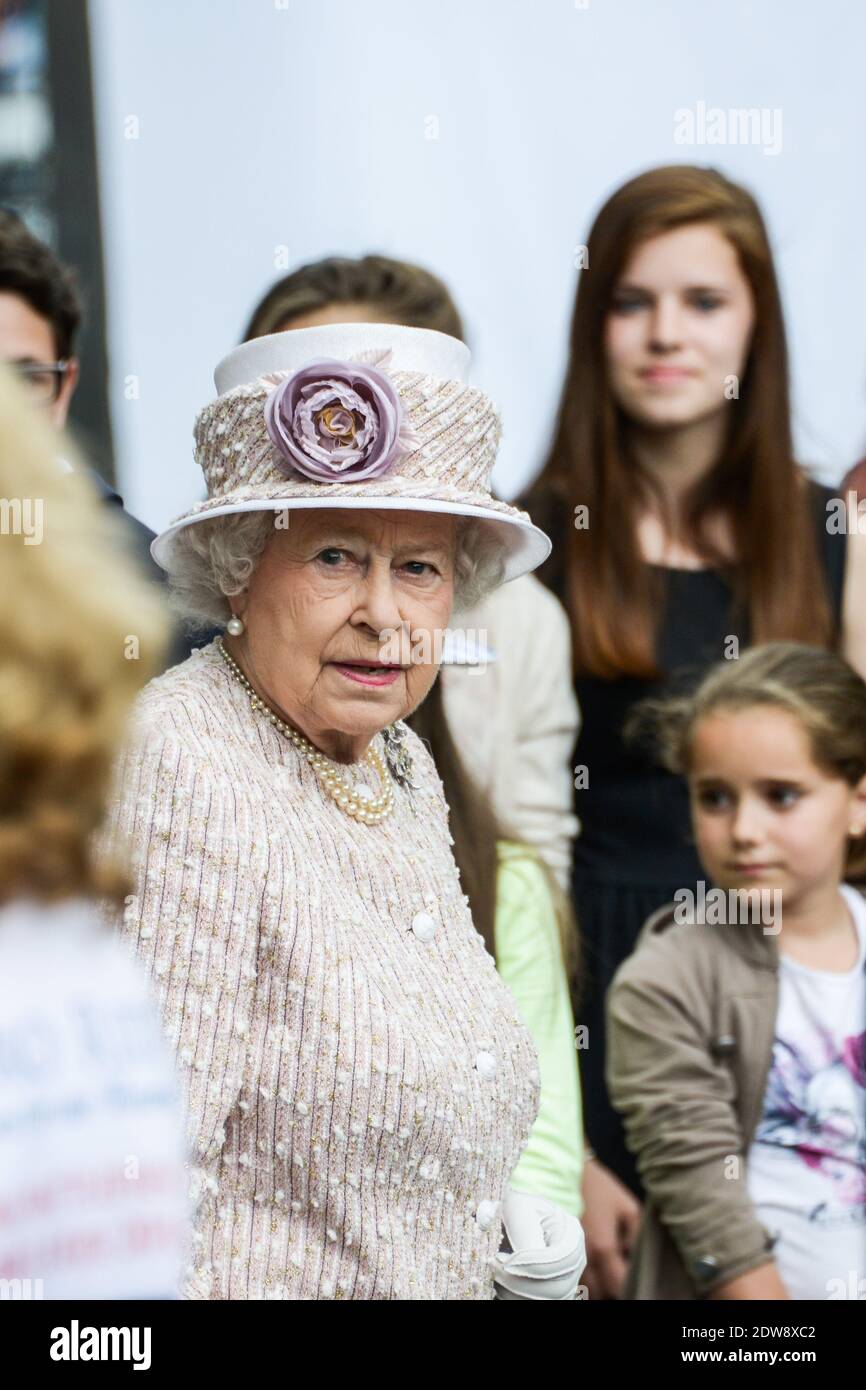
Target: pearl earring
x,y
235,626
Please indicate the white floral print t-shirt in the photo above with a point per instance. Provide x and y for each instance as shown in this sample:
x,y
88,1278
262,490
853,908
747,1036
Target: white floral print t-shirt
x,y
806,1168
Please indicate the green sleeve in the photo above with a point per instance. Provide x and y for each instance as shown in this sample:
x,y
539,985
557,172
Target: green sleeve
x,y
529,959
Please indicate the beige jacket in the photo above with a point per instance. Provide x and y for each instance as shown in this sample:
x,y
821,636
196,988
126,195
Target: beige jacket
x,y
515,721
691,1019
359,1083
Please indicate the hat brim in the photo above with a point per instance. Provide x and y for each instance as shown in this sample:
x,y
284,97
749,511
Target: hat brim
x,y
526,546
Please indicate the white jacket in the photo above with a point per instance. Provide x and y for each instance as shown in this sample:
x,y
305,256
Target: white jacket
x,y
515,720
93,1200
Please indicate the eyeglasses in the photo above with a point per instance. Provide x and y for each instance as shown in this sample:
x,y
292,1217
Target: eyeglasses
x,y
42,379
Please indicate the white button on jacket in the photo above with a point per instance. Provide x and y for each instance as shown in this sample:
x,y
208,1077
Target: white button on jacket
x,y
485,1063
423,926
486,1214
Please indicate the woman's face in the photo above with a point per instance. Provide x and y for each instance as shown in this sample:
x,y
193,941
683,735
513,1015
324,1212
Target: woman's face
x,y
326,599
679,327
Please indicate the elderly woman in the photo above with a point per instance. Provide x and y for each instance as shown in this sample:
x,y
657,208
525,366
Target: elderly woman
x,y
359,1082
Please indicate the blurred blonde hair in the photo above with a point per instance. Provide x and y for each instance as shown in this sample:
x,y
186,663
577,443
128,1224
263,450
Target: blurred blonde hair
x,y
80,633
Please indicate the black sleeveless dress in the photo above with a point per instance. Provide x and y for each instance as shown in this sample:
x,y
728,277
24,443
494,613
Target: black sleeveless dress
x,y
635,847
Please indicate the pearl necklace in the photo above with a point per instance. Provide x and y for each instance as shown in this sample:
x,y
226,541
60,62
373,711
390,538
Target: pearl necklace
x,y
357,802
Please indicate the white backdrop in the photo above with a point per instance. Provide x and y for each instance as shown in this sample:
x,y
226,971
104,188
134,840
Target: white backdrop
x,y
477,137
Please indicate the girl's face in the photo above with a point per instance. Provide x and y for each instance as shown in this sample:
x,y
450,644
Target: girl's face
x,y
678,331
764,814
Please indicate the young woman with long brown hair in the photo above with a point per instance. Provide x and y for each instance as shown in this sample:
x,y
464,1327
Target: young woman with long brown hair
x,y
683,530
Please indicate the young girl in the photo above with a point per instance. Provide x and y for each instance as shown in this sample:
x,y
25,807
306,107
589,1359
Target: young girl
x,y
736,1029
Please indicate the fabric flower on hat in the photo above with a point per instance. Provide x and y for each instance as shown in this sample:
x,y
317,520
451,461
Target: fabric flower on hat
x,y
338,421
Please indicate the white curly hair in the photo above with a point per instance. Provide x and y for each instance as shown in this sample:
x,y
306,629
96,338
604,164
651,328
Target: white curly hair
x,y
216,558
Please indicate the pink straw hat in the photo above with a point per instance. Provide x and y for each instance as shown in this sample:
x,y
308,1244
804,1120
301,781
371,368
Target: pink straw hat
x,y
359,415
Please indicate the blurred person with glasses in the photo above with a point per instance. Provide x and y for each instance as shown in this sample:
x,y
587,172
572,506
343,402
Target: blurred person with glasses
x,y
44,380
41,312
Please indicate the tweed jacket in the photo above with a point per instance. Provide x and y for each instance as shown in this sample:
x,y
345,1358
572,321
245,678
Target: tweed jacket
x,y
359,1083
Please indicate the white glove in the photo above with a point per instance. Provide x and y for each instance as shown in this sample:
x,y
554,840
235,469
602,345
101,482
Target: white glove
x,y
548,1250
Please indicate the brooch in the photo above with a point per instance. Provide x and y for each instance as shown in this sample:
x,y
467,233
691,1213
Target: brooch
x,y
397,754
